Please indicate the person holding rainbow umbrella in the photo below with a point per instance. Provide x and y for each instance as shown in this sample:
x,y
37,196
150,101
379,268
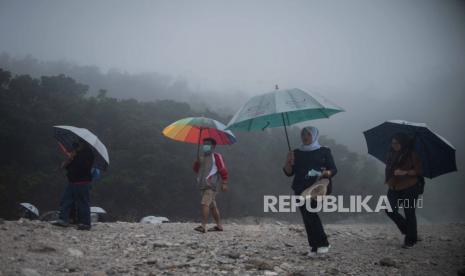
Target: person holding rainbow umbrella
x,y
209,166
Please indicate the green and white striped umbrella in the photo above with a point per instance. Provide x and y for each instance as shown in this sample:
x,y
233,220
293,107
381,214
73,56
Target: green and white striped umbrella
x,y
281,108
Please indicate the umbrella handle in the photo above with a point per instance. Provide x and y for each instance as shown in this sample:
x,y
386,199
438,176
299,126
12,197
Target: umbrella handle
x,y
285,131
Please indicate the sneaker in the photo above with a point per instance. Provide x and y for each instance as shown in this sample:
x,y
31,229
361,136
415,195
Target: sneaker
x,y
60,223
83,227
408,245
323,249
312,253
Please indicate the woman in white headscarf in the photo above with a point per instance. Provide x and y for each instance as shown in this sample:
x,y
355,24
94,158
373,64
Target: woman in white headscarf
x,y
308,164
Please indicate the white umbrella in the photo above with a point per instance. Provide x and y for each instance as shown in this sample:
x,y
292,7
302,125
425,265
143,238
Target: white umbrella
x,y
97,210
67,135
30,207
154,220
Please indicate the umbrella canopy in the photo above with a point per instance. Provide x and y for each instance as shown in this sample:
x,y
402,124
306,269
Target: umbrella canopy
x,y
281,108
67,135
154,220
195,129
30,207
437,154
97,210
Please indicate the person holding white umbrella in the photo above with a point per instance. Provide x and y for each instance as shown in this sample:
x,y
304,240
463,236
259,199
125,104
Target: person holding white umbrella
x,y
85,152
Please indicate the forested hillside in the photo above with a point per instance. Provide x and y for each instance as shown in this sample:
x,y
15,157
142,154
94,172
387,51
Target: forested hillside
x,y
148,173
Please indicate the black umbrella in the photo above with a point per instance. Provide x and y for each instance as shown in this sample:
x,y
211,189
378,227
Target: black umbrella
x,y
436,153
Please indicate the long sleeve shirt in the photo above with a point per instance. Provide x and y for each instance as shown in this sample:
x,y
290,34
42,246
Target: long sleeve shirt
x,y
304,161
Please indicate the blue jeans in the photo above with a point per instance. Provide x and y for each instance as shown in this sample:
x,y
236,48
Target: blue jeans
x,y
77,195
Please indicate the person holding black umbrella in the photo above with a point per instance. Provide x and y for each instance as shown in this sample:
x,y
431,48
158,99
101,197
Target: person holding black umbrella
x,y
403,171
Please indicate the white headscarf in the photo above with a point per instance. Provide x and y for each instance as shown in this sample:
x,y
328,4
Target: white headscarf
x,y
315,135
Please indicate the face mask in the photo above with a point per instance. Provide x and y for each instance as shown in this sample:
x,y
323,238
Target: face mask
x,y
206,148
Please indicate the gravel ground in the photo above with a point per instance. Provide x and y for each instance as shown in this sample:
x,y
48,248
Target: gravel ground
x,y
37,248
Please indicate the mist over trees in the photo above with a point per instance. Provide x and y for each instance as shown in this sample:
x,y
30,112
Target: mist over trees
x,y
122,85
149,173
443,196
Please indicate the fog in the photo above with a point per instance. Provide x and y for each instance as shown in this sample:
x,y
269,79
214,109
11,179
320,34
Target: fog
x,y
379,60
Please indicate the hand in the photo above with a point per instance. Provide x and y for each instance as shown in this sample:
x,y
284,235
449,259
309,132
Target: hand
x,y
224,187
400,172
290,158
326,173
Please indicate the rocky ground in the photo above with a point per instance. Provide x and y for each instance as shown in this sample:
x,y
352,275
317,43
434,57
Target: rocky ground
x,y
37,248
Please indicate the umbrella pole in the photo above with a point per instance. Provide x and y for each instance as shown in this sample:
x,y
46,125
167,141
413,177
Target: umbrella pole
x,y
285,131
198,144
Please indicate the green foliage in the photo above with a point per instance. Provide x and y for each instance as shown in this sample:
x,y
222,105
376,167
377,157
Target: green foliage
x,y
149,174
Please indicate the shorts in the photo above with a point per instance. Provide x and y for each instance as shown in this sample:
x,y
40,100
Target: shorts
x,y
208,197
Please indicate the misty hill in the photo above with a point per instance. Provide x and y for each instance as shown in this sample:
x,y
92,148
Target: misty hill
x,y
123,85
148,173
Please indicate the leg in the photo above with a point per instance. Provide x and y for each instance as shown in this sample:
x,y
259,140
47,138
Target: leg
x,y
315,233
216,214
83,206
205,203
67,202
411,220
205,214
393,197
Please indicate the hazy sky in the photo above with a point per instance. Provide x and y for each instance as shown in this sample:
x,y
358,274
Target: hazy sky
x,y
364,55
247,45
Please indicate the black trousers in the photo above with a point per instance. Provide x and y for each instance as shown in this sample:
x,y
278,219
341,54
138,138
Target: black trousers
x,y
407,199
315,233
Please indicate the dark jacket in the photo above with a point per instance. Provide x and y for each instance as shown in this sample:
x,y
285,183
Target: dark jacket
x,y
79,169
304,161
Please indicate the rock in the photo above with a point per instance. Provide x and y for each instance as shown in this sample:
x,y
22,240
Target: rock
x,y
41,248
2,221
29,272
224,260
461,272
98,273
332,271
270,273
445,238
75,252
163,244
285,266
261,264
71,269
152,262
288,244
387,262
233,255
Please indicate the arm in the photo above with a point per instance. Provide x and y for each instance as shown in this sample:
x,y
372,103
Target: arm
x,y
288,167
330,169
417,169
222,170
68,161
221,167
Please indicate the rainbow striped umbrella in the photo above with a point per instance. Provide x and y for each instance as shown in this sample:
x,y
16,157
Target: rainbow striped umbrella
x,y
195,129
